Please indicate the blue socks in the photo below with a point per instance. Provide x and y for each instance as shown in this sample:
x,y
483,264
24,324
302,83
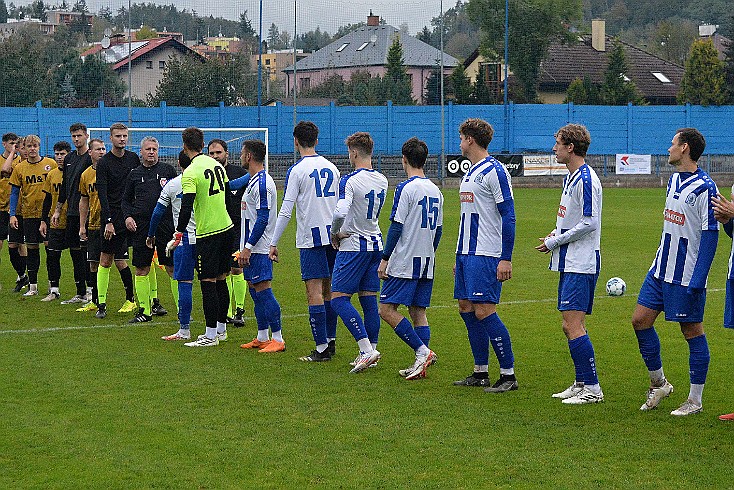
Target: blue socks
x,y
350,316
317,320
582,353
185,302
649,348
331,318
478,338
271,309
698,359
372,317
424,332
499,337
405,331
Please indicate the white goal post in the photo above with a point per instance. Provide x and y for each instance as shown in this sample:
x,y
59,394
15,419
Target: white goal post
x,y
170,143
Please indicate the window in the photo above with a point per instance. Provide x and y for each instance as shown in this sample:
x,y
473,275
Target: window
x,y
267,61
149,65
161,65
364,45
342,47
661,77
305,83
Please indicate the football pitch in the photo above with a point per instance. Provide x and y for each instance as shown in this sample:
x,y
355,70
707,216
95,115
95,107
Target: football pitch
x,y
90,403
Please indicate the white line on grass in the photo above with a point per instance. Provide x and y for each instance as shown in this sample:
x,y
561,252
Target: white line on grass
x,y
298,315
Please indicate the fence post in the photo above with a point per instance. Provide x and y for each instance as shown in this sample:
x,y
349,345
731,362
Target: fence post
x,y
688,114
605,165
221,114
332,124
164,114
389,117
39,118
511,128
571,116
278,124
630,127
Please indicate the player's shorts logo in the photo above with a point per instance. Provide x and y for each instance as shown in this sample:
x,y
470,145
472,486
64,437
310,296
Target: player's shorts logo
x,y
466,196
675,218
561,211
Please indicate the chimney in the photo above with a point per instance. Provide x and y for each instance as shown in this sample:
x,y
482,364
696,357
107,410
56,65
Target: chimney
x,y
373,20
598,35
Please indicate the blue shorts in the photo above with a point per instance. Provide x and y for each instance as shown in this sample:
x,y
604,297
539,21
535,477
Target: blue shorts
x,y
184,260
408,292
576,291
729,304
317,262
356,271
674,300
476,279
259,270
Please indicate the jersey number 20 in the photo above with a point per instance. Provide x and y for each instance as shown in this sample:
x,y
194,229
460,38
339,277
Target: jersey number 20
x,y
216,179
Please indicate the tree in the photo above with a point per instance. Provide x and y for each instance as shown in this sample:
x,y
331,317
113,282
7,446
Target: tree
x,y
432,94
480,93
704,81
534,24
67,96
38,10
396,82
146,32
617,88
672,39
3,12
583,92
460,85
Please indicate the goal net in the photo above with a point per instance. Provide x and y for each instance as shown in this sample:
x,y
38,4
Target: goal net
x,y
170,143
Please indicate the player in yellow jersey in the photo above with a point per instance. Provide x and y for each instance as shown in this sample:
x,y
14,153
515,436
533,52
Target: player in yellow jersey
x,y
89,218
27,182
54,233
9,160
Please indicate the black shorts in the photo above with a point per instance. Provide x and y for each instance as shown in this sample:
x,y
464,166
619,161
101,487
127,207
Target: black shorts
x,y
31,231
72,231
213,255
4,225
16,236
93,242
143,256
117,245
57,239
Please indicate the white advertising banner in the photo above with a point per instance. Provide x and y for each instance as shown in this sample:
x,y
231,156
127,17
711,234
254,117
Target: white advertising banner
x,y
633,164
543,165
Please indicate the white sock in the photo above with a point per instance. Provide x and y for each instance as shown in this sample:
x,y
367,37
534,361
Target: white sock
x,y
696,394
55,290
321,348
422,351
595,389
221,327
374,345
364,345
657,377
262,335
483,368
211,333
507,372
278,335
184,332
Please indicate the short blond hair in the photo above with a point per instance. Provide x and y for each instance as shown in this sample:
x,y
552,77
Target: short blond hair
x,y
32,138
360,141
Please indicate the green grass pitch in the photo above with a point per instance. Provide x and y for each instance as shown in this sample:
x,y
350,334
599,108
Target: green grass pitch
x,y
89,403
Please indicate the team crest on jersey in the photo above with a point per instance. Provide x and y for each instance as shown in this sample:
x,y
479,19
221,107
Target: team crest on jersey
x,y
244,206
466,196
163,181
675,218
691,199
479,178
47,168
561,211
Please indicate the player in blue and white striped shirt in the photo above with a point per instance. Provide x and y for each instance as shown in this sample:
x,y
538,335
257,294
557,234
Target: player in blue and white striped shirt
x,y
409,257
575,248
355,233
311,185
258,216
676,281
484,256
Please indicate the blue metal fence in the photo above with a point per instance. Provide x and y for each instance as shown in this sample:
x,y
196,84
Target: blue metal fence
x,y
529,128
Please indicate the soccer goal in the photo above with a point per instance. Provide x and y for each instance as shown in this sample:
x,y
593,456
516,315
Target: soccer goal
x,y
170,143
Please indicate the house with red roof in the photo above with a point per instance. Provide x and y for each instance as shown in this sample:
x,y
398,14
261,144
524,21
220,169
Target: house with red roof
x,y
147,59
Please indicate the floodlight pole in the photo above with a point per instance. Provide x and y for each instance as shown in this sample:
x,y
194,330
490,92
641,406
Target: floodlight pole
x,y
505,84
129,64
295,34
260,67
443,120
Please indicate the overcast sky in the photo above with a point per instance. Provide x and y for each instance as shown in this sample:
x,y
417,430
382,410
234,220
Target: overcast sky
x,y
329,15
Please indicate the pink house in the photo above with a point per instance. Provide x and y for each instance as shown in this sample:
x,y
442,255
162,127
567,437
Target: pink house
x,y
365,49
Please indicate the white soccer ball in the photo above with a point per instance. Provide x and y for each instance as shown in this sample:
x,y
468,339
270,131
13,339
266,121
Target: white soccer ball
x,y
616,287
